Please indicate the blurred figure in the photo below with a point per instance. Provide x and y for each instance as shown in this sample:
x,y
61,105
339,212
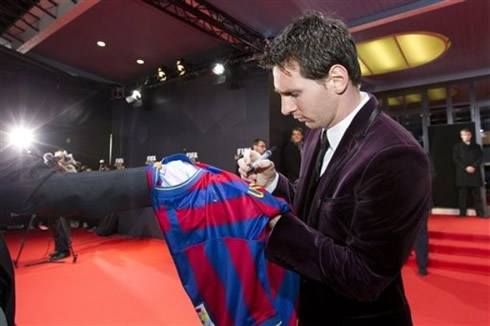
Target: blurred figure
x,y
7,286
103,166
467,156
67,164
292,154
259,145
119,164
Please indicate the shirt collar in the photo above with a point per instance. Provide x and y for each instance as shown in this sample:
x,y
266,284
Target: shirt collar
x,y
336,132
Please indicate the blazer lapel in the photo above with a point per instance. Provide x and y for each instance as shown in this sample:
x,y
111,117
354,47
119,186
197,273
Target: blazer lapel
x,y
310,151
349,144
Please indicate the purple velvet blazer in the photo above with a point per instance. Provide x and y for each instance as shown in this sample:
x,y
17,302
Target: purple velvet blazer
x,y
363,220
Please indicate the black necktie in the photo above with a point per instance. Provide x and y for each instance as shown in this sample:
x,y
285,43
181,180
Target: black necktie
x,y
315,175
324,144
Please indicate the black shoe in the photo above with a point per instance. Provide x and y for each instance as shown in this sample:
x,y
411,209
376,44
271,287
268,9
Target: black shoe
x,y
57,255
423,271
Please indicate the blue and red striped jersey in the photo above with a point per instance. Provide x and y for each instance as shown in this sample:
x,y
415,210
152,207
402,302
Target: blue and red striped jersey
x,y
215,227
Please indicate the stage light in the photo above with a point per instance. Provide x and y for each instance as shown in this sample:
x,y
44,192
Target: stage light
x,y
181,67
21,137
101,43
161,74
135,96
218,69
140,61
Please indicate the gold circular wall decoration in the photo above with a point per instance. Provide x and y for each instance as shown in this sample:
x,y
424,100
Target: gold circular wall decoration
x,y
400,52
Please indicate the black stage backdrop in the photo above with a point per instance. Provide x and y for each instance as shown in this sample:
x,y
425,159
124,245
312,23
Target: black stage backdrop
x,y
442,138
65,111
196,115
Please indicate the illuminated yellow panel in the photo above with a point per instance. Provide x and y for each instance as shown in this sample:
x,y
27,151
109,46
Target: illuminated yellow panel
x,y
413,98
436,94
364,70
382,55
422,48
394,101
399,52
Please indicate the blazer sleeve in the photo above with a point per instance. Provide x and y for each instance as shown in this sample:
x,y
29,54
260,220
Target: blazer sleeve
x,y
91,194
390,202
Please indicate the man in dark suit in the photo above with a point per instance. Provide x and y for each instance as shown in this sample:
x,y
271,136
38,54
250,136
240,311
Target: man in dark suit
x,y
292,154
363,189
467,156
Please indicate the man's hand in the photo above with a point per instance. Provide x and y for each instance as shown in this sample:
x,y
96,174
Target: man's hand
x,y
264,173
470,169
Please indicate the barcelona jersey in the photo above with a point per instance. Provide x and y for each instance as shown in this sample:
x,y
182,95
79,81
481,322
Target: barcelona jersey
x,y
215,227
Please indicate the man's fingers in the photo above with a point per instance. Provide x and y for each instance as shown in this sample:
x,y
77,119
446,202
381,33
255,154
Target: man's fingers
x,y
264,164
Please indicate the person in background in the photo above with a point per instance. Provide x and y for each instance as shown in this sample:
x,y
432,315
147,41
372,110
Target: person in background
x,y
65,163
259,145
292,154
364,187
467,157
103,166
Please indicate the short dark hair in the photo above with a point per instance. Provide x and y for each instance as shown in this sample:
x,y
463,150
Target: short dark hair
x,y
317,43
258,140
298,129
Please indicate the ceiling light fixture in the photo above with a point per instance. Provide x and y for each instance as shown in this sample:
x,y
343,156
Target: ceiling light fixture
x,y
101,44
140,61
400,51
135,96
161,74
181,67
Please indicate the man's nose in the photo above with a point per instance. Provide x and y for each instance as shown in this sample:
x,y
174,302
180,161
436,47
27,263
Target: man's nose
x,y
287,105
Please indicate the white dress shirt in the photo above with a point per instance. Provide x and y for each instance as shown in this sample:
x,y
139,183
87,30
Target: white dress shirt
x,y
334,135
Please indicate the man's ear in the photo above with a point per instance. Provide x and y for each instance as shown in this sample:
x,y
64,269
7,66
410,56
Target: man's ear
x,y
338,76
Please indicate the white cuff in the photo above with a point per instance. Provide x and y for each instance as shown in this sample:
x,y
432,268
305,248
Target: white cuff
x,y
270,188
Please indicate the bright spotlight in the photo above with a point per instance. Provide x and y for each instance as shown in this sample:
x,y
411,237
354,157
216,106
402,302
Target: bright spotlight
x,y
218,69
21,137
135,96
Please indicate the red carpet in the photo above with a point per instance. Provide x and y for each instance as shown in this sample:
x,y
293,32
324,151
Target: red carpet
x,y
459,244
115,281
118,281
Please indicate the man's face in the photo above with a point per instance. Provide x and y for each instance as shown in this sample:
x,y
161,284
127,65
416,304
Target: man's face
x,y
307,100
260,147
296,136
465,136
